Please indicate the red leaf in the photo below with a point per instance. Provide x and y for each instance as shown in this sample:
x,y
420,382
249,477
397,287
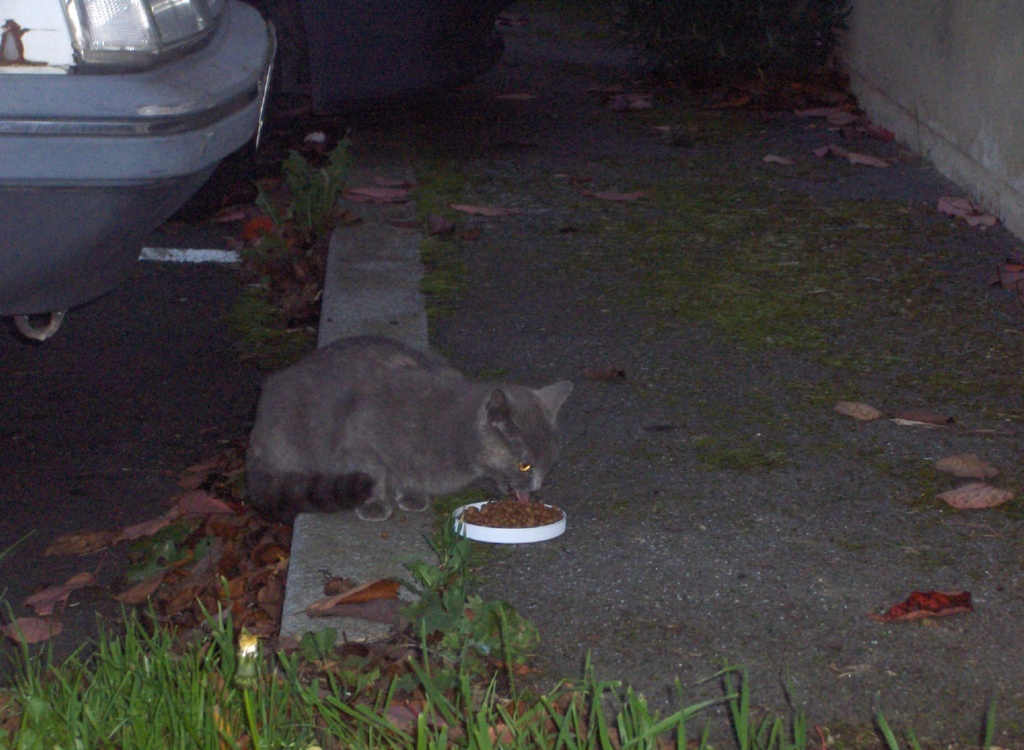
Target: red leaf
x,y
922,604
257,227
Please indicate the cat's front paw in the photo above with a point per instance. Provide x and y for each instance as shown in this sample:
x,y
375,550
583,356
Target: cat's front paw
x,y
374,510
412,503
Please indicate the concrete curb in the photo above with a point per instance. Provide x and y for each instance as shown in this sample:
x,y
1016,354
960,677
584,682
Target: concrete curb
x,y
372,286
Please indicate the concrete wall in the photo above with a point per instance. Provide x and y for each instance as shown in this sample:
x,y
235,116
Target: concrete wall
x,y
947,76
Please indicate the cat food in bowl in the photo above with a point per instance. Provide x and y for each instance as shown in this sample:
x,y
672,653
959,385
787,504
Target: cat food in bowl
x,y
509,522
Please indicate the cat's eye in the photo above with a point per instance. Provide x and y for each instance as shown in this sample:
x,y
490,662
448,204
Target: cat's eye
x,y
524,466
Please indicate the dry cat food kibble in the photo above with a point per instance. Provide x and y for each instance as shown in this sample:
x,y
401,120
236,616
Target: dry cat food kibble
x,y
511,514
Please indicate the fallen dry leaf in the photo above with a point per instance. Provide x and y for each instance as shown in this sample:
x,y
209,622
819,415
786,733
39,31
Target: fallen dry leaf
x,y
609,374
622,102
384,588
509,19
388,611
574,179
80,543
863,412
841,117
377,194
975,495
820,112
867,160
607,91
1009,276
613,196
880,133
834,116
822,151
484,210
922,604
914,417
967,465
141,591
256,227
966,210
32,630
146,528
200,503
392,182
773,159
731,103
500,734
45,601
231,214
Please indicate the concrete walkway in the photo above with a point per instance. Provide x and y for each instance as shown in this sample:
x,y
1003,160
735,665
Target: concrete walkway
x,y
372,286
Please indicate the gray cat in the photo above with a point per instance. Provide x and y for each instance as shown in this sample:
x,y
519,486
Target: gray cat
x,y
367,420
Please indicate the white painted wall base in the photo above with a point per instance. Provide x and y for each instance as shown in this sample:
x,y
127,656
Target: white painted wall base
x,y
947,77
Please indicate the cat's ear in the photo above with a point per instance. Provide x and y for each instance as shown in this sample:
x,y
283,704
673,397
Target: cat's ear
x,y
498,410
553,396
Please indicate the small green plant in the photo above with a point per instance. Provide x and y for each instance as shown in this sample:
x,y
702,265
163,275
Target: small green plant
x,y
470,627
313,192
277,315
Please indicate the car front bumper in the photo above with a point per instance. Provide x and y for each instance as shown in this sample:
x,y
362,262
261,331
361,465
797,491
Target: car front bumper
x,y
91,164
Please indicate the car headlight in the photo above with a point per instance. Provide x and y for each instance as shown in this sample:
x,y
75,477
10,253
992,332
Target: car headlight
x,y
136,33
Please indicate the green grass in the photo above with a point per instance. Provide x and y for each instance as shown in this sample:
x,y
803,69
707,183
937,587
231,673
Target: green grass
x,y
143,688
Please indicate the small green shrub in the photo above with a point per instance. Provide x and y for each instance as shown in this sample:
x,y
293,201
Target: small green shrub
x,y
712,40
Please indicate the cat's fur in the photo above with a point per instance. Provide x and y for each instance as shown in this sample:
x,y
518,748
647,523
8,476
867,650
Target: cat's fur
x,y
369,421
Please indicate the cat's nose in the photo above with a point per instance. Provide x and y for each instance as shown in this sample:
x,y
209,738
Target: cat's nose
x,y
536,479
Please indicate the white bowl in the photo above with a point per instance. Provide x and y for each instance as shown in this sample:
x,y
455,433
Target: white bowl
x,y
506,536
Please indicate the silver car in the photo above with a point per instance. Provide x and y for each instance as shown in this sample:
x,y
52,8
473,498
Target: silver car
x,y
112,114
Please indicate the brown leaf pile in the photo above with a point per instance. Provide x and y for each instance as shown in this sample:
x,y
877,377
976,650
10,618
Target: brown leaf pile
x,y
238,562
